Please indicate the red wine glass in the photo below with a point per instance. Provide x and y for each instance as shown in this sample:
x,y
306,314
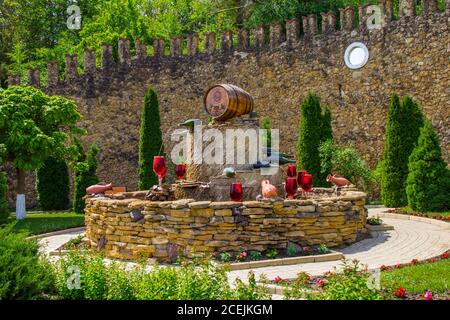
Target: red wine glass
x,y
306,182
291,187
180,170
292,171
236,192
159,167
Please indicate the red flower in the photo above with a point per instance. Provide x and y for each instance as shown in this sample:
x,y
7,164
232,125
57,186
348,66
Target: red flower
x,y
385,268
320,283
398,265
400,292
414,262
445,255
277,279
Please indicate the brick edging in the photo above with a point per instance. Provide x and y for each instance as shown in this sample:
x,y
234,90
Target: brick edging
x,y
56,233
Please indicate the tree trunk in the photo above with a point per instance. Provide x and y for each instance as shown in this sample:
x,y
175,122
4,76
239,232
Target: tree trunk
x,y
20,201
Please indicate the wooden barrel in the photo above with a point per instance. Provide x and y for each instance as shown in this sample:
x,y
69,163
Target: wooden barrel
x,y
227,101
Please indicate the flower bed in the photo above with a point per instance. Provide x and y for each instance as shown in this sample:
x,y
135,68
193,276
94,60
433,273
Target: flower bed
x,y
420,214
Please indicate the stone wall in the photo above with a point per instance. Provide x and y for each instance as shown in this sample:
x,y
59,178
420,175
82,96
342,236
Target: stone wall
x,y
131,229
408,56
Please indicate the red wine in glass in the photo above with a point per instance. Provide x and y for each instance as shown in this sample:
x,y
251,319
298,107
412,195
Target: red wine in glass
x,y
306,182
292,171
159,167
291,187
236,192
300,174
180,170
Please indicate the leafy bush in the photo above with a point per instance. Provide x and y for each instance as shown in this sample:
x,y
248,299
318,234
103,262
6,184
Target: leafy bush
x,y
197,280
24,275
315,128
4,208
291,250
428,182
252,290
374,221
151,143
85,175
272,253
323,249
347,162
52,185
255,255
404,121
225,257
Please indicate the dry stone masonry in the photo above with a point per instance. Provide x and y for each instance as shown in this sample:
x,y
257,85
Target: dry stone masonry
x,y
408,56
132,229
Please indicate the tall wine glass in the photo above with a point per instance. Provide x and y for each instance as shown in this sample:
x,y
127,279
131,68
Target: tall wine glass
x,y
306,182
180,170
236,192
291,187
159,167
292,171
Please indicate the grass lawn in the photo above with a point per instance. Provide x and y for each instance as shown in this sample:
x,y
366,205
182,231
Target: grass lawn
x,y
38,222
433,276
442,213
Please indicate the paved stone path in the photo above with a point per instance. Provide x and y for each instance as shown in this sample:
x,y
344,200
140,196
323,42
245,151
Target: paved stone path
x,y
410,240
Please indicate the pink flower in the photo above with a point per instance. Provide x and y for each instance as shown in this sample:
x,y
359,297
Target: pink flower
x,y
320,283
277,279
428,295
398,265
244,254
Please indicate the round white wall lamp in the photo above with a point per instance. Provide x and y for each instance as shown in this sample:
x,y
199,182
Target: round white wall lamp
x,y
356,55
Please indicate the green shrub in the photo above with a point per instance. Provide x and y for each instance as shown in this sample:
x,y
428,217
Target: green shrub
x,y
24,274
4,207
225,257
255,255
323,249
428,182
272,253
315,128
404,121
151,143
85,176
267,140
252,290
347,162
291,250
52,185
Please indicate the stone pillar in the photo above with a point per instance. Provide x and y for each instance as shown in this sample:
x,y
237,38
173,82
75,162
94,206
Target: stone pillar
x,y
292,31
346,15
243,40
141,50
210,43
447,7
387,10
52,73
259,37
158,48
34,77
107,56
89,61
175,46
407,8
328,22
192,44
362,13
312,23
429,6
226,39
71,66
275,35
14,80
124,51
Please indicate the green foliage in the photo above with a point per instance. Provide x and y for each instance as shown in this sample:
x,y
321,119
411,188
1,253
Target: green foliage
x,y
189,281
373,221
291,250
151,143
52,185
225,257
4,208
85,175
315,127
272,253
252,290
24,275
38,223
255,255
323,249
428,181
267,140
404,121
346,162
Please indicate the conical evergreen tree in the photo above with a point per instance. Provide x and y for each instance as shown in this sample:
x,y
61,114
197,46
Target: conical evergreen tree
x,y
85,176
53,185
428,182
310,136
402,130
151,143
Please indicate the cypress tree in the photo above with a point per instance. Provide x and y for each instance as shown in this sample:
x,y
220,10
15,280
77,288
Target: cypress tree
x,y
4,207
52,185
151,143
85,176
310,136
402,130
428,181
